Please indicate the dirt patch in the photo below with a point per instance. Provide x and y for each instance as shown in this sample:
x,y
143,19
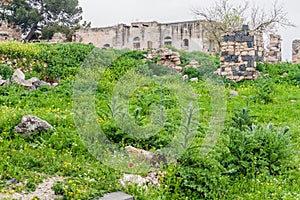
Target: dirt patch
x,y
43,191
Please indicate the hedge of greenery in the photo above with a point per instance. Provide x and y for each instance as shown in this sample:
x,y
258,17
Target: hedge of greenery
x,y
49,61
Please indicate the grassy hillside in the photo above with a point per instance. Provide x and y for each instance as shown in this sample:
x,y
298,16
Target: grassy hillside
x,y
255,156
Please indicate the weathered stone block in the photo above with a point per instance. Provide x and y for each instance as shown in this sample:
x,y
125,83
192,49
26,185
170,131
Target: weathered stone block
x,y
117,196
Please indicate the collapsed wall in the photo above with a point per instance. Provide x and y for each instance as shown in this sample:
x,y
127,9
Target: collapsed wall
x,y
296,51
239,53
273,51
241,50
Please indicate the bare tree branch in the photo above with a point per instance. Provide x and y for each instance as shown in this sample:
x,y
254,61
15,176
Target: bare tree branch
x,y
224,16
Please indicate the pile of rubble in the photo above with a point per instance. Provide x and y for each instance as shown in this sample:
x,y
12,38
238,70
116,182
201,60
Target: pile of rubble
x,y
169,58
30,84
166,57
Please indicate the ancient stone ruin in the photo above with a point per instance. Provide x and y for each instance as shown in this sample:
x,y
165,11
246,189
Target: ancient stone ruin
x,y
296,51
273,51
186,35
241,50
9,32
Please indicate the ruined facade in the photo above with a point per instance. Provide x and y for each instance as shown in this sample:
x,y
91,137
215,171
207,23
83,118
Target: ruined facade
x,y
241,50
296,51
273,51
190,35
9,32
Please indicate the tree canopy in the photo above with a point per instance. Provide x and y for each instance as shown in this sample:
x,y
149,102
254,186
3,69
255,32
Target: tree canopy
x,y
35,15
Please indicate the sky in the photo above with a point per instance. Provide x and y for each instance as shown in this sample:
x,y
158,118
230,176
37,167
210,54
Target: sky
x,y
111,12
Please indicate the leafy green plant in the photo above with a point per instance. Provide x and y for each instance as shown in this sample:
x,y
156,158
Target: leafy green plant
x,y
264,91
242,119
259,150
5,71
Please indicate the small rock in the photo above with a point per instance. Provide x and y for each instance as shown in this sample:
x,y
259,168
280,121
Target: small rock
x,y
54,84
40,83
33,79
30,123
10,181
284,74
185,77
144,155
293,101
2,82
194,79
178,69
117,196
132,179
233,93
18,74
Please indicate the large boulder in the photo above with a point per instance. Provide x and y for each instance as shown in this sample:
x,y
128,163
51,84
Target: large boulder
x,y
30,123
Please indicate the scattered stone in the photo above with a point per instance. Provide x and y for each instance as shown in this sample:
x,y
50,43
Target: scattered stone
x,y
194,79
18,74
233,93
140,153
40,83
165,57
193,64
284,74
178,69
154,159
133,179
185,77
2,82
19,77
151,179
30,123
10,181
117,196
54,84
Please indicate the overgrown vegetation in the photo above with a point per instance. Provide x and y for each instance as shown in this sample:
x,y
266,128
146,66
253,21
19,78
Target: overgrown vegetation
x,y
256,155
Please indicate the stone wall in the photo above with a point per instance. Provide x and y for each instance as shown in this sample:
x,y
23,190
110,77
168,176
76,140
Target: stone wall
x,y
190,35
239,52
296,51
9,32
273,51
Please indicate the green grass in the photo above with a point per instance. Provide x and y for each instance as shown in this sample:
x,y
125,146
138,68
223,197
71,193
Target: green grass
x,y
61,152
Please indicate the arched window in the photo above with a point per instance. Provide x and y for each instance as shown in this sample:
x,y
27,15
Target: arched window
x,y
136,43
168,41
185,42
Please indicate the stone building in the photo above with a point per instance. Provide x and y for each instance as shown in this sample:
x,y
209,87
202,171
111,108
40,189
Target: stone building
x,y
189,35
9,32
296,51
